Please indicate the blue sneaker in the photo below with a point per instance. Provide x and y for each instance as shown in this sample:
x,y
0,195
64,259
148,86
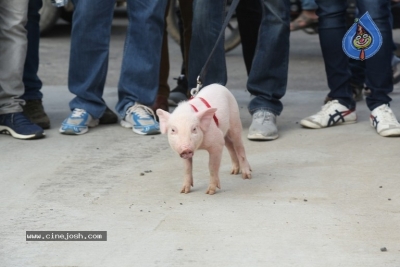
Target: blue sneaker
x,y
19,126
78,122
141,119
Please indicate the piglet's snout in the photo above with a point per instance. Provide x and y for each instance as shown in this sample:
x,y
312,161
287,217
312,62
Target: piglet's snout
x,y
186,154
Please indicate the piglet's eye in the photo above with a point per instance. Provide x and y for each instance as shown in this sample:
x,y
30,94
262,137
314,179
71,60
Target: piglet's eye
x,y
194,129
173,130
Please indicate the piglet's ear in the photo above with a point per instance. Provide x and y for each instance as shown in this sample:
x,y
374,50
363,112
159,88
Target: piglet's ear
x,y
205,118
163,117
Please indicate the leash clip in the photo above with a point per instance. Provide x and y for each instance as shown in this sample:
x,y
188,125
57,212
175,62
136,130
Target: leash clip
x,y
195,91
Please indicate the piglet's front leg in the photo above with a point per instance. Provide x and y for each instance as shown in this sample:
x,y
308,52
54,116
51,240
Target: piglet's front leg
x,y
188,178
215,155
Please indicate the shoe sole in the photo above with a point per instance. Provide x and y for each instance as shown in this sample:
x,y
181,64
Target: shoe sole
x,y
72,132
312,125
389,132
261,137
127,125
9,131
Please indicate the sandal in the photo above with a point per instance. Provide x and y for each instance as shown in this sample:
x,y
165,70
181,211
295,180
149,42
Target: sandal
x,y
302,22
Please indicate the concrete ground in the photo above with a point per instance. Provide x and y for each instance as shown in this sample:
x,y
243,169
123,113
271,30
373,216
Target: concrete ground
x,y
327,197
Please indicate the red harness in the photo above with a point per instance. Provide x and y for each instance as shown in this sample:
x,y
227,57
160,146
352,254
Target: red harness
x,y
207,105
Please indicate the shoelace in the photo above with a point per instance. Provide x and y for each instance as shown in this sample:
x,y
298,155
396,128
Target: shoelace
x,y
77,113
141,110
265,116
325,107
387,114
20,119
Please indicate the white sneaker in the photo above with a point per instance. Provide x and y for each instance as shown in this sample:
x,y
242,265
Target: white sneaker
x,y
263,126
384,121
332,113
141,119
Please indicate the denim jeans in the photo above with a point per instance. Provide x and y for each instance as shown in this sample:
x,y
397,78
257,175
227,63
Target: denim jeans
x,y
308,5
31,80
90,40
208,17
378,71
268,75
13,16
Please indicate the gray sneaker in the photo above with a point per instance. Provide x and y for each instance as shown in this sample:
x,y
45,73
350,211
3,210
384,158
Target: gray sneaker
x,y
263,126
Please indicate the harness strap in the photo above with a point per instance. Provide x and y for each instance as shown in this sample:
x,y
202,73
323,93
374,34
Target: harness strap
x,y
208,106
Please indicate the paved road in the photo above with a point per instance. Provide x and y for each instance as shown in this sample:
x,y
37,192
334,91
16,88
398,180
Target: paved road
x,y
326,197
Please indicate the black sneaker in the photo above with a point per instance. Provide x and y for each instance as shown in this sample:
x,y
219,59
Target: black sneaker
x,y
179,93
109,117
34,110
19,126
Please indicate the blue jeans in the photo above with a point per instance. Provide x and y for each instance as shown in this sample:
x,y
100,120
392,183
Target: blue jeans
x,y
208,17
90,39
378,71
268,75
308,5
31,80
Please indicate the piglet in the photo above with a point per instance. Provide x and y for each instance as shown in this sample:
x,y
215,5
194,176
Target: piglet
x,y
208,121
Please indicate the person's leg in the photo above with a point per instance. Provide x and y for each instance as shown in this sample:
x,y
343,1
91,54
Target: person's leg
x,y
138,84
332,28
31,80
268,76
161,100
208,17
33,107
249,15
184,14
13,45
88,64
142,54
378,68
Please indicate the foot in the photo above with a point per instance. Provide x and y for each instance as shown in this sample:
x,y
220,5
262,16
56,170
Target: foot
x,y
179,93
263,126
384,121
19,126
109,117
141,119
307,18
78,122
332,113
33,109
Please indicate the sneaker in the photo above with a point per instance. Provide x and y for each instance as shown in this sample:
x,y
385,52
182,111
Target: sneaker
x,y
263,126
141,119
179,93
109,117
33,109
19,126
78,122
332,113
384,121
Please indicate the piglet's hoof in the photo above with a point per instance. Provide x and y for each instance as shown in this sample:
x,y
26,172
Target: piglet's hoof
x,y
185,189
